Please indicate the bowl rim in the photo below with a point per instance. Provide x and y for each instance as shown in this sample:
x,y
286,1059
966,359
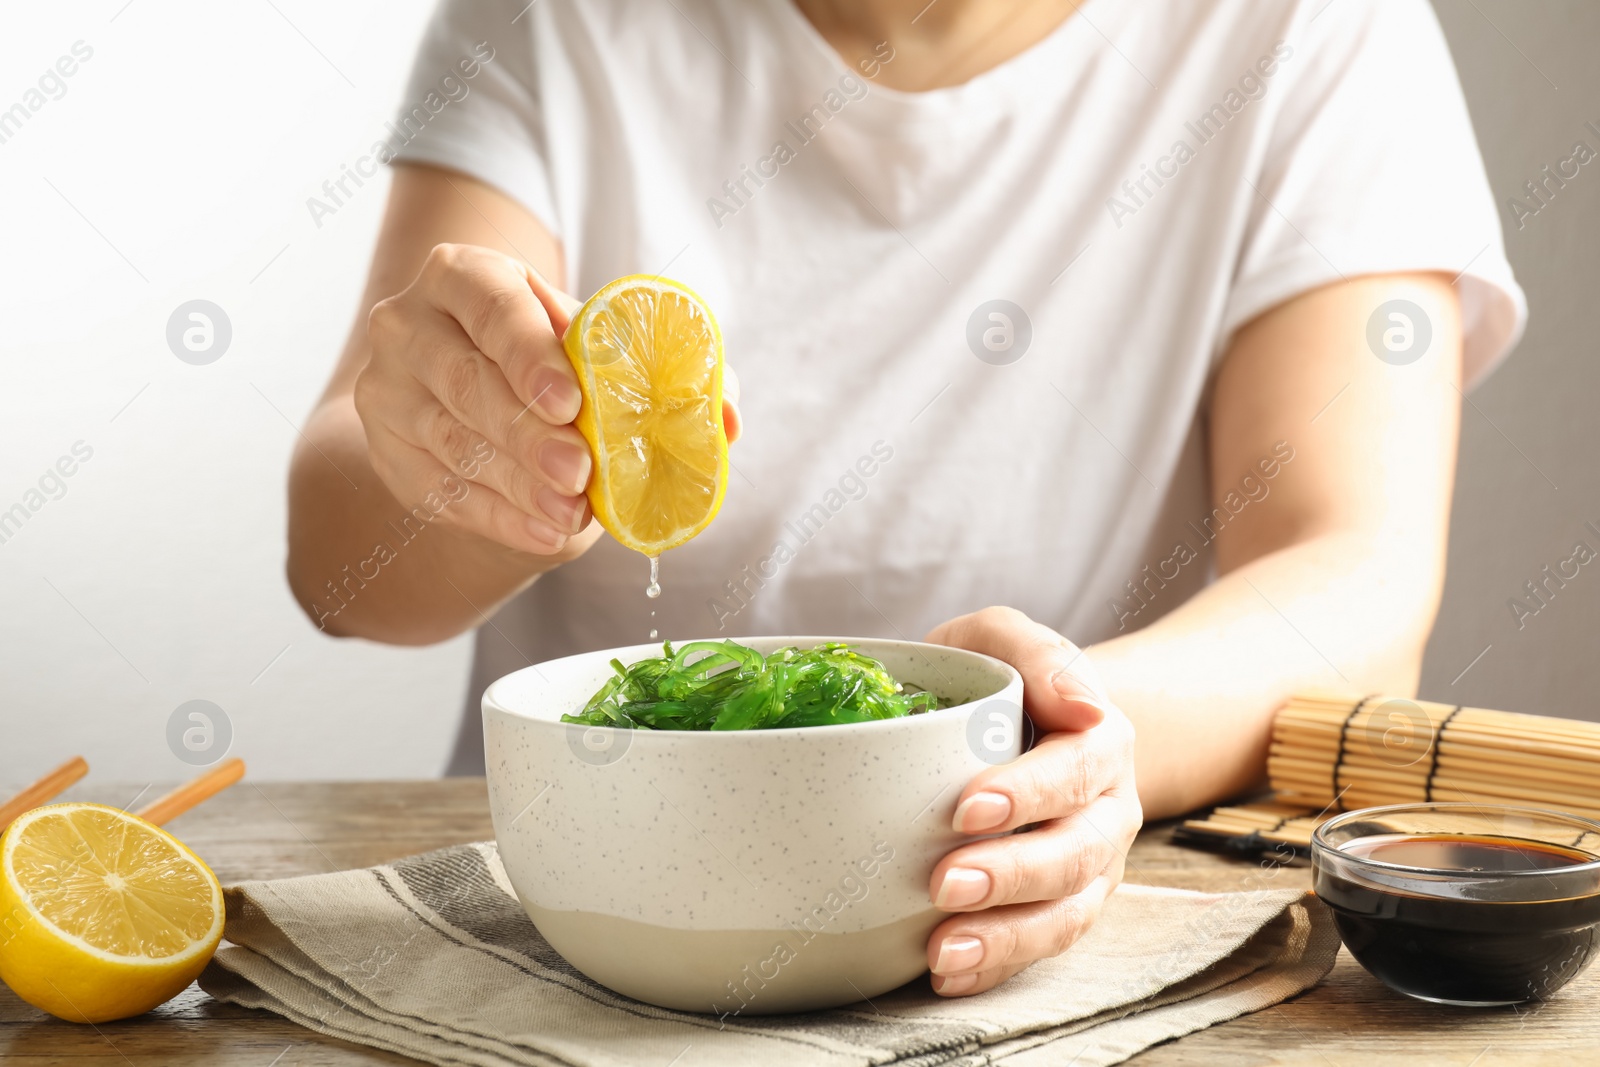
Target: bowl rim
x,y
491,702
1320,845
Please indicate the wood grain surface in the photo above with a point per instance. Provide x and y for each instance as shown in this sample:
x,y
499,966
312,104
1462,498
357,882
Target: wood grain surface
x,y
277,830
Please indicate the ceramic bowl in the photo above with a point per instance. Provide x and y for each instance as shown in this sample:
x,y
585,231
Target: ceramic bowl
x,y
748,872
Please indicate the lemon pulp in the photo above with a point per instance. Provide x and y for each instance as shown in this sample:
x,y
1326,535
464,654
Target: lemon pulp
x,y
106,915
648,356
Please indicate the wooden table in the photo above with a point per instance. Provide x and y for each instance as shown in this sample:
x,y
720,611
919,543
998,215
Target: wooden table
x,y
277,830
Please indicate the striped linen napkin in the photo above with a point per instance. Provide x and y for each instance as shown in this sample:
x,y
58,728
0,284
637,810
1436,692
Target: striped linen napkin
x,y
432,957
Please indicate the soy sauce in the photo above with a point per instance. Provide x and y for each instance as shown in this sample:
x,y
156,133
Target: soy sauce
x,y
1456,949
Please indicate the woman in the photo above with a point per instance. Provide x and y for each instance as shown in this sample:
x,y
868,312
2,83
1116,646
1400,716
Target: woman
x,y
1147,321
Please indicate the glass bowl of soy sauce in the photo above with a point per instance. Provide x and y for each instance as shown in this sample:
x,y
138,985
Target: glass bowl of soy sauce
x,y
1460,903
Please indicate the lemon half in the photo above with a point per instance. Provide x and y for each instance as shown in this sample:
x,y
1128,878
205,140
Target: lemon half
x,y
102,915
648,356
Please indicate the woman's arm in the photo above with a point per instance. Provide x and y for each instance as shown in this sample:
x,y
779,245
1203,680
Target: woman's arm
x,y
422,492
1331,580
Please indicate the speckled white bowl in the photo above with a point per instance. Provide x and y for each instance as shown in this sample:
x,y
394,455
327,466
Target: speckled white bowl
x,y
749,872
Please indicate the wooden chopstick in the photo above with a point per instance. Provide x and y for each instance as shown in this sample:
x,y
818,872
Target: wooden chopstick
x,y
169,807
44,789
1253,827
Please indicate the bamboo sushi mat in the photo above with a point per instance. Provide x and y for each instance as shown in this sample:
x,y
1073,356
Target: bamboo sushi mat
x,y
1335,752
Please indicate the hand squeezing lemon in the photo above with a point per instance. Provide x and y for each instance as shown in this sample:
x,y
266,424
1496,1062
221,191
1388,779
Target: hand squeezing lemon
x,y
102,914
648,356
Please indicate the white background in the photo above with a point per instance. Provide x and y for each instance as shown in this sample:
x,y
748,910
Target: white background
x,y
190,142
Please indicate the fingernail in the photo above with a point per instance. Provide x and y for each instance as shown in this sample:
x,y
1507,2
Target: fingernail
x,y
955,985
563,510
958,954
962,887
980,812
1069,687
565,464
556,397
546,536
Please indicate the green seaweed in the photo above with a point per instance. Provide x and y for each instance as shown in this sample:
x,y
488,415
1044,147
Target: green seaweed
x,y
722,685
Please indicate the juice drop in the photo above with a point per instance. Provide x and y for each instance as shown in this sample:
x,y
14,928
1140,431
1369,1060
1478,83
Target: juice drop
x,y
653,590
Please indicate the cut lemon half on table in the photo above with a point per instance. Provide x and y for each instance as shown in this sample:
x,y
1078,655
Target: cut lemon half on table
x,y
649,361
102,915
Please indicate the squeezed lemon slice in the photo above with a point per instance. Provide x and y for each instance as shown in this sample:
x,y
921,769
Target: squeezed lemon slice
x,y
649,361
102,915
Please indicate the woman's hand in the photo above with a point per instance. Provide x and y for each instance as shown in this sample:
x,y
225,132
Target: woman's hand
x,y
1030,895
467,383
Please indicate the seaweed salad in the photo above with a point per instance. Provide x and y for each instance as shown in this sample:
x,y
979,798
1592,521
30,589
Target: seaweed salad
x,y
722,685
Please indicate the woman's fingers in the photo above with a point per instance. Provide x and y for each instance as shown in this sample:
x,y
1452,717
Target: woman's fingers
x,y
1061,774
557,305
1029,895
1061,689
441,405
964,985
540,493
492,297
467,368
1057,859
467,375
469,388
431,491
973,952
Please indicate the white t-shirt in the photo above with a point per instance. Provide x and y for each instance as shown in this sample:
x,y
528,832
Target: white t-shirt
x,y
1135,187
